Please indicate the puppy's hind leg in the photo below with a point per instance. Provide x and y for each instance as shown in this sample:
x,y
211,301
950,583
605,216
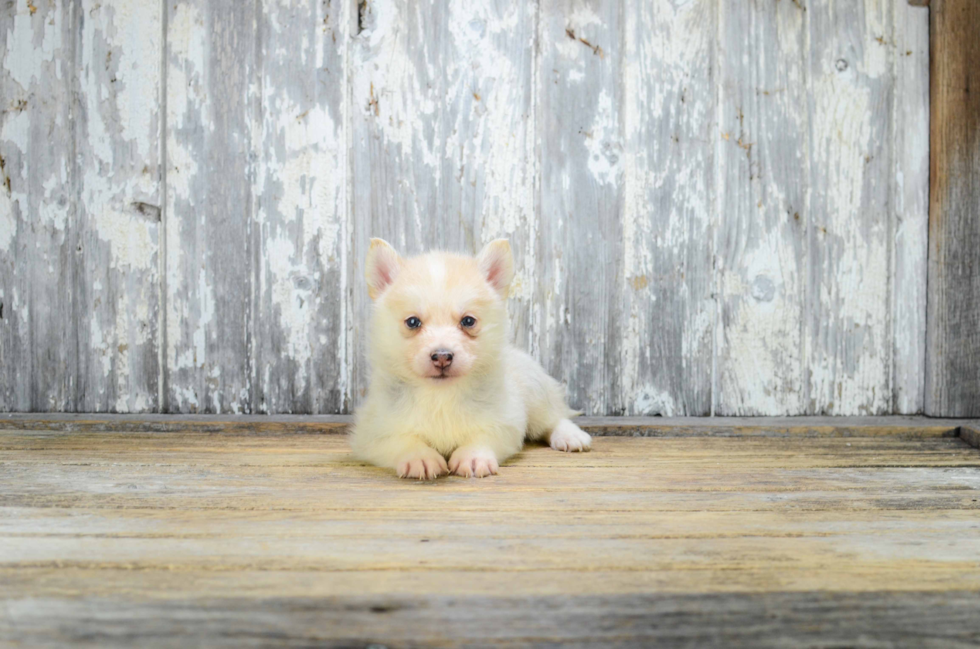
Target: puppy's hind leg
x,y
566,436
547,412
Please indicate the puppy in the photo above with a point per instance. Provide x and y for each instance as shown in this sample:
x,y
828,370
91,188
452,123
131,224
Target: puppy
x,y
444,380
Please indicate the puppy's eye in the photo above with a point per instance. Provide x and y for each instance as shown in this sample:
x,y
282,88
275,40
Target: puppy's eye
x,y
413,323
468,321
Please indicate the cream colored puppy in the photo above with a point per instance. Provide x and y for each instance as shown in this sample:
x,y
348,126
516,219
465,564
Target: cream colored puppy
x,y
444,380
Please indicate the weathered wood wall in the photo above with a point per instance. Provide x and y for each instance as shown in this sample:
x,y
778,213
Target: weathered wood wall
x,y
953,342
717,206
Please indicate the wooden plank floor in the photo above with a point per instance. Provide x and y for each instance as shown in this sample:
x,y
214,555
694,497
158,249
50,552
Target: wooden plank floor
x,y
211,534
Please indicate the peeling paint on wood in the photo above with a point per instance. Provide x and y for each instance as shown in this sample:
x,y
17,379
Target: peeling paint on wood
x,y
211,120
300,234
761,256
117,154
38,345
581,196
668,308
848,347
715,209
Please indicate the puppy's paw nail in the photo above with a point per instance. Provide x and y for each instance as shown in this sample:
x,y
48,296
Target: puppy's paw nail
x,y
470,463
424,465
569,438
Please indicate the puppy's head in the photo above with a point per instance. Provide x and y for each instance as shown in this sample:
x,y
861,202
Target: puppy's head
x,y
438,317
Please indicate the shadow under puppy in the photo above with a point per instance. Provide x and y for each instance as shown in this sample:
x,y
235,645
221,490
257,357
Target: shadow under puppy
x,y
444,380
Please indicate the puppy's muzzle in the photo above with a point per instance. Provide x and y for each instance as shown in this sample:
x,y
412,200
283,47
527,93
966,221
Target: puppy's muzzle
x,y
442,358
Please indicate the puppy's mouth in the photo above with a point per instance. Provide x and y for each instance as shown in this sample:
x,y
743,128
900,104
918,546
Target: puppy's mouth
x,y
443,375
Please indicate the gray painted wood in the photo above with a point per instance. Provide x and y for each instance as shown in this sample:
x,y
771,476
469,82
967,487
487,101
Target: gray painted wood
x,y
762,204
851,99
38,348
580,230
300,235
910,206
827,229
666,280
953,342
211,121
648,161
117,192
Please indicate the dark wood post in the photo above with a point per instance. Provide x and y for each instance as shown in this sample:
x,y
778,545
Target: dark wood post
x,y
953,339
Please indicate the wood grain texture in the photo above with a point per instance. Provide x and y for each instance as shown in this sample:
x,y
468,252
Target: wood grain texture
x,y
118,156
849,354
910,207
581,149
648,161
971,434
300,236
762,201
667,320
267,538
38,240
798,619
953,341
906,427
442,140
211,120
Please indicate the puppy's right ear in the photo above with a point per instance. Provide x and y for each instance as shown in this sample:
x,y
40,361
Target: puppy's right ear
x,y
381,268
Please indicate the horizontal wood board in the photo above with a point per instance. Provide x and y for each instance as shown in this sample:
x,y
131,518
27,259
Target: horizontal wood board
x,y
269,537
913,426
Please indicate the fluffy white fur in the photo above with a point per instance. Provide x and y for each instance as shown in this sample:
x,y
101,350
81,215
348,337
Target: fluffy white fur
x,y
476,412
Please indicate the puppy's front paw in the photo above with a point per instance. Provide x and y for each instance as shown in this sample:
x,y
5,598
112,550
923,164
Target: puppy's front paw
x,y
568,437
470,462
424,464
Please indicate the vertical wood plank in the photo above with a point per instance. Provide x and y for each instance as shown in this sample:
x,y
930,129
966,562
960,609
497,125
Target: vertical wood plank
x,y
442,138
301,230
849,348
580,126
910,181
762,208
38,347
209,254
116,281
953,341
668,191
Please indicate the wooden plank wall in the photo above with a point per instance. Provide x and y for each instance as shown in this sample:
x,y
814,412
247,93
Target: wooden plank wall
x,y
716,207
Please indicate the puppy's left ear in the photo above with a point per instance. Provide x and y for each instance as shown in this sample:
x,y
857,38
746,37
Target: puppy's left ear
x,y
497,263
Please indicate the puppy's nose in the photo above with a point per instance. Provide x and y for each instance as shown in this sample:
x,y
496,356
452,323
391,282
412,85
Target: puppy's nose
x,y
442,358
